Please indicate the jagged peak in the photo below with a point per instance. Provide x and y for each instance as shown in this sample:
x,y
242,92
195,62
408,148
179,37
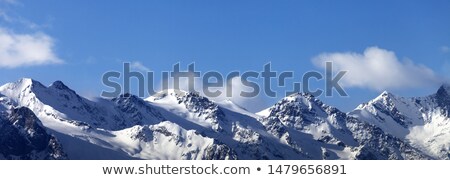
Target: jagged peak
x,y
25,117
173,92
444,89
127,97
384,96
165,93
195,97
23,111
442,96
58,85
304,98
29,81
25,80
298,101
301,95
22,84
384,93
130,100
60,88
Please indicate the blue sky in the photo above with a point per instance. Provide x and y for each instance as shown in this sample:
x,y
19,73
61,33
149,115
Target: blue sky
x,y
85,39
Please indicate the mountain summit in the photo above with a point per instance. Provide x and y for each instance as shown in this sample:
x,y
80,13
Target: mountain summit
x,y
54,122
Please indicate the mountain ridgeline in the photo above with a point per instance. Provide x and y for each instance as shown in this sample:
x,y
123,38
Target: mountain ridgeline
x,y
54,122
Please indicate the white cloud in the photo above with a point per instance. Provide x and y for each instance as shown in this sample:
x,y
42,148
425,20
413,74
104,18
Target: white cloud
x,y
445,49
18,50
14,19
5,17
9,1
139,66
253,104
378,69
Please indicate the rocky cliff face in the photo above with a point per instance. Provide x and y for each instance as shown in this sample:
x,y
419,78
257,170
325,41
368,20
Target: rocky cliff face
x,y
22,136
54,122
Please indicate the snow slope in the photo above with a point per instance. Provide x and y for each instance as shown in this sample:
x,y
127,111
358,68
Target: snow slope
x,y
174,124
423,122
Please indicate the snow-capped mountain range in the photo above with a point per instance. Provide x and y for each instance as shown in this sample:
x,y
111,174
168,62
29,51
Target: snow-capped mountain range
x,y
54,122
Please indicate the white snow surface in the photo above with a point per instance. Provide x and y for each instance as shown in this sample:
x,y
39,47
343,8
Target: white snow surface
x,y
175,124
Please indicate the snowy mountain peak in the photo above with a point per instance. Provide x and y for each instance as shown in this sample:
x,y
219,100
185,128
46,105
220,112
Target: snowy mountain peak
x,y
63,90
299,101
26,81
127,96
190,104
29,82
191,126
421,121
444,90
58,85
23,89
300,109
129,99
385,98
204,107
299,95
442,98
21,85
165,94
385,95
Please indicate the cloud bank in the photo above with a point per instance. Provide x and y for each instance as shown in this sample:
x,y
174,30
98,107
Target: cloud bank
x,y
378,69
18,50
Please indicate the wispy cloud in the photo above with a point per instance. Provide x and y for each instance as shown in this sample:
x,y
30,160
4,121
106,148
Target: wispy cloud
x,y
23,49
5,17
139,66
9,1
378,69
252,104
18,50
11,18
